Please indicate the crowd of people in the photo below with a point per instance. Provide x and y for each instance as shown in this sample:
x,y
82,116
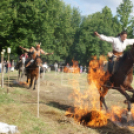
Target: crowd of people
x,y
10,66
46,68
7,65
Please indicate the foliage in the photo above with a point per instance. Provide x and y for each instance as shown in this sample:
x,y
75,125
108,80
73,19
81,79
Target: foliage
x,y
60,28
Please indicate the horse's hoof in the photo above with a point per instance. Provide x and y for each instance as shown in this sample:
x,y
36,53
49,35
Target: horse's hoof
x,y
132,100
130,120
130,123
33,88
108,111
125,101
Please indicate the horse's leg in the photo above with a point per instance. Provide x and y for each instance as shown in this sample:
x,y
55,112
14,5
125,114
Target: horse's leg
x,y
102,99
129,115
19,75
35,82
130,89
31,82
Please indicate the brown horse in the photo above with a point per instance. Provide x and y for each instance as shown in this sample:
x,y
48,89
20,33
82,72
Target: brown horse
x,y
121,80
33,71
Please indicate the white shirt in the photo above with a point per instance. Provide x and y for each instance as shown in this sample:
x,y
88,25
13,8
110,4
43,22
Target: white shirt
x,y
45,65
117,44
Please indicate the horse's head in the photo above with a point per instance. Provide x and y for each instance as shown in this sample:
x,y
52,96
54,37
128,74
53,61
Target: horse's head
x,y
38,61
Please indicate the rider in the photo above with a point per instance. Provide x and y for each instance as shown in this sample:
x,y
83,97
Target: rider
x,y
24,55
37,51
119,44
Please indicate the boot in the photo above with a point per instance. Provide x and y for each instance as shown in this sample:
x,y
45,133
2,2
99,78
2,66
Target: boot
x,y
110,64
115,66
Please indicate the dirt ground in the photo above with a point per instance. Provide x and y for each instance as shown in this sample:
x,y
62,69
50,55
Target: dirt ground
x,y
55,90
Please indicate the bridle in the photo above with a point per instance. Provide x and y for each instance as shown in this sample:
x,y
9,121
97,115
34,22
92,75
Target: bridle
x,y
35,61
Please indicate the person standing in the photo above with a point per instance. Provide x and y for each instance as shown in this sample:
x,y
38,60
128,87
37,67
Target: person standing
x,y
56,66
12,65
81,69
45,66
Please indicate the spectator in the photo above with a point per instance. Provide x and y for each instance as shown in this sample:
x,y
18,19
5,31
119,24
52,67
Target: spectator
x,y
12,65
8,66
45,66
25,55
81,69
85,69
56,66
67,65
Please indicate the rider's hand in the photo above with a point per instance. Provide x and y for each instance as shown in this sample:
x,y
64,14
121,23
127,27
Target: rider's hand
x,y
96,33
52,53
20,46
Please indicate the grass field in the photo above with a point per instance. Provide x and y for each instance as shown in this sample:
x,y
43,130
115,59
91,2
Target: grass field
x,y
19,106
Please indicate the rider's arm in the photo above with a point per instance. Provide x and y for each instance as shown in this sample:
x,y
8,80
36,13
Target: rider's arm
x,y
45,53
25,49
130,41
104,38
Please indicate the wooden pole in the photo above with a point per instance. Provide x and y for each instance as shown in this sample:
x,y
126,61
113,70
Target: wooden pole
x,y
8,73
38,95
2,65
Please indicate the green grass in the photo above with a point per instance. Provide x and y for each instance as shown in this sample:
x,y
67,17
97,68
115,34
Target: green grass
x,y
19,107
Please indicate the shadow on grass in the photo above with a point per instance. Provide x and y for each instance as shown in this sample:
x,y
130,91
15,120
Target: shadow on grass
x,y
58,105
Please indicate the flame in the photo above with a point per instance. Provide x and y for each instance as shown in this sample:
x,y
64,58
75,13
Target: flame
x,y
87,109
22,83
73,69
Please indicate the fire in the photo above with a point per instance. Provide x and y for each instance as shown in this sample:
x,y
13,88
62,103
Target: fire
x,y
97,71
21,83
73,69
92,118
87,104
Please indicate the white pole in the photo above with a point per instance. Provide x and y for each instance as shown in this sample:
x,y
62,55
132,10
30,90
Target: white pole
x,y
8,51
38,95
8,73
61,74
2,68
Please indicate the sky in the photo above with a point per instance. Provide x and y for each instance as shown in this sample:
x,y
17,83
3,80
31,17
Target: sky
x,y
87,7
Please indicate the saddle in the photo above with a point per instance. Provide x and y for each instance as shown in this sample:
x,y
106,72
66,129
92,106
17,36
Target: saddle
x,y
113,64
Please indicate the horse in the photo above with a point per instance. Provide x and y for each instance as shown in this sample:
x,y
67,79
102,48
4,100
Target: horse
x,y
21,68
121,81
33,71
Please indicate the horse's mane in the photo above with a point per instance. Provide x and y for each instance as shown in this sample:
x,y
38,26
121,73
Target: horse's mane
x,y
125,55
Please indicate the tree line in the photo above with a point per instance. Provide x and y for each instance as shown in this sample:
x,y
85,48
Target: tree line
x,y
60,28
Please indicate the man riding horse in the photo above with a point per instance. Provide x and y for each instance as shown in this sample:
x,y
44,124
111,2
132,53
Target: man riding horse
x,y
121,78
35,52
119,44
32,54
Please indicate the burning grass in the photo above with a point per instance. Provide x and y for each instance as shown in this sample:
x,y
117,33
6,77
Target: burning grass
x,y
93,118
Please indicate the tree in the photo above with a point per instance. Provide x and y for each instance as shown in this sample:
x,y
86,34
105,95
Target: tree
x,y
123,12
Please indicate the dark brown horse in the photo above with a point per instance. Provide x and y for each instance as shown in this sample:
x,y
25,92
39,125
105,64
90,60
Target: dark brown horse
x,y
121,80
33,71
